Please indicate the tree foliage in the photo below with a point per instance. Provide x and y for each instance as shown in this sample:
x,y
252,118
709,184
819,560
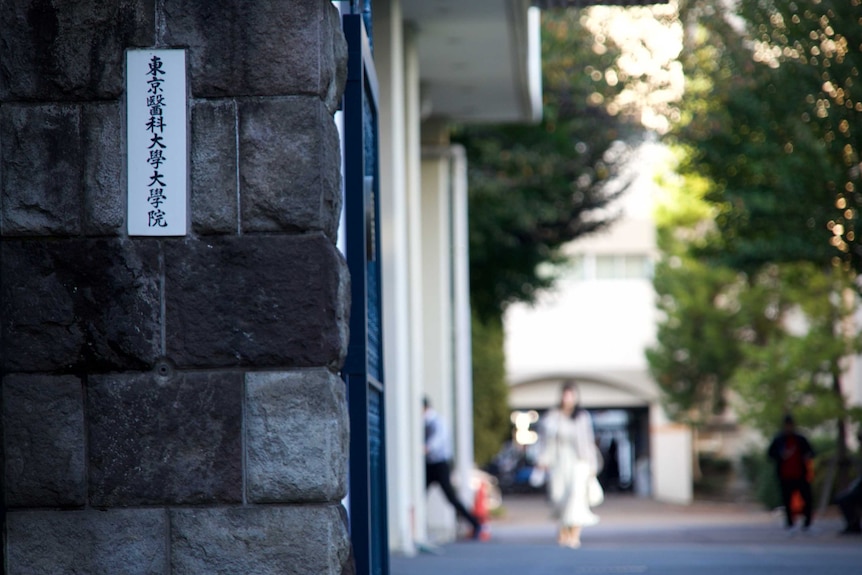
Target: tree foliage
x,y
819,43
774,341
796,331
746,128
491,425
534,188
765,280
695,354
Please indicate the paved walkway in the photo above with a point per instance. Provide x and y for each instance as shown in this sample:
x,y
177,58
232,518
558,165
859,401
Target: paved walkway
x,y
632,519
643,536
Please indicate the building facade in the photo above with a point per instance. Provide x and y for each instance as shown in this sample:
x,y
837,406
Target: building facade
x,y
437,64
594,327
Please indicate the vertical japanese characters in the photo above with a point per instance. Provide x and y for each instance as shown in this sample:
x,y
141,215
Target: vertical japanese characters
x,y
157,142
156,187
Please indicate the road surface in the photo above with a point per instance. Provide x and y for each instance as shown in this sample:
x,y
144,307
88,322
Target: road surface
x,y
640,536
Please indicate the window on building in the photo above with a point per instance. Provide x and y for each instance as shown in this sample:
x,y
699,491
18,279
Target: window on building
x,y
619,266
577,268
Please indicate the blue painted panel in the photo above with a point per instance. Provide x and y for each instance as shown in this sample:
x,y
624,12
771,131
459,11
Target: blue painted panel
x,y
363,368
375,320
376,449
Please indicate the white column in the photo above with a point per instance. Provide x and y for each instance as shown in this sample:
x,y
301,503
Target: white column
x,y
415,429
389,62
436,316
448,359
461,334
670,458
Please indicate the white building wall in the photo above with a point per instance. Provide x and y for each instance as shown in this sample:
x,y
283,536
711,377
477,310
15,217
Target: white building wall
x,y
595,327
622,389
852,380
590,322
461,322
437,319
670,459
583,325
852,386
447,357
423,228
424,248
414,429
390,67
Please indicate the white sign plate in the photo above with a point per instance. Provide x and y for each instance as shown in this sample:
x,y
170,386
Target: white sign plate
x,y
156,142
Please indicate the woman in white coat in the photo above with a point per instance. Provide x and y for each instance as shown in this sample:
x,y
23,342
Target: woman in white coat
x,y
569,453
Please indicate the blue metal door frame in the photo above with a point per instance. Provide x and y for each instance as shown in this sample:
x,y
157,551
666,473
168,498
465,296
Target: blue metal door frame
x,y
363,368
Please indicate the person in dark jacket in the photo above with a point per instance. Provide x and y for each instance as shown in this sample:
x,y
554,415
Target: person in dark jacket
x,y
438,452
792,454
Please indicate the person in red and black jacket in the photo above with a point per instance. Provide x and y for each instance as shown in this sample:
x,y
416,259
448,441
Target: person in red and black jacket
x,y
792,454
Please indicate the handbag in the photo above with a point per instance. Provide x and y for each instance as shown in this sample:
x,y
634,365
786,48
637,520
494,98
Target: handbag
x,y
538,477
595,493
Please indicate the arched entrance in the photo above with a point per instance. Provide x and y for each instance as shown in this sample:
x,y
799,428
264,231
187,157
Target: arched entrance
x,y
620,407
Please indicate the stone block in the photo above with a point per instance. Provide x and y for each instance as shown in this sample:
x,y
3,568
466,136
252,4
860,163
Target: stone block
x,y
264,540
289,166
69,50
104,185
342,312
297,436
79,305
262,301
43,432
41,182
128,541
333,60
213,167
272,50
165,440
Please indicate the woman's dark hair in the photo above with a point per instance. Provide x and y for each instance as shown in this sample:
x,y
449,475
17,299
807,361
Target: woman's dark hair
x,y
570,385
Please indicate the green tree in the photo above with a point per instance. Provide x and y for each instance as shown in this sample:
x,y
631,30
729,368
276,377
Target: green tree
x,y
696,351
770,120
819,42
796,329
774,340
744,127
491,424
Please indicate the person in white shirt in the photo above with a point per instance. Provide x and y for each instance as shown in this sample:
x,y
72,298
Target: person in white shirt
x,y
438,452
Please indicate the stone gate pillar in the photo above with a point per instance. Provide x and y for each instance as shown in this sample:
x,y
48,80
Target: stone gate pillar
x,y
172,406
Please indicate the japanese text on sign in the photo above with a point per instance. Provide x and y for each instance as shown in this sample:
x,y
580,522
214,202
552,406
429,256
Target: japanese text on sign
x,y
157,158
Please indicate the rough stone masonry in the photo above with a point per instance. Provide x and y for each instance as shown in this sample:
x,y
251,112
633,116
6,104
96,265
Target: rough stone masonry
x,y
172,406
